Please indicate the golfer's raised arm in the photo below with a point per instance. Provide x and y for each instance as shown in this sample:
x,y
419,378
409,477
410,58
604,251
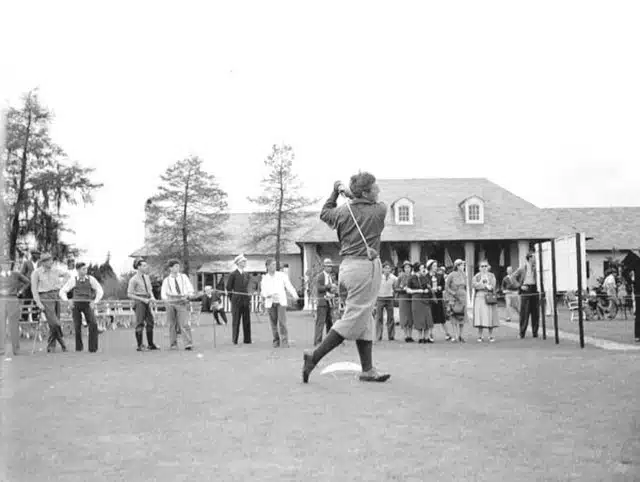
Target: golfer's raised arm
x,y
329,211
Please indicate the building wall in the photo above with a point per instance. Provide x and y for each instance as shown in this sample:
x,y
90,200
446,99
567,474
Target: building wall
x,y
596,261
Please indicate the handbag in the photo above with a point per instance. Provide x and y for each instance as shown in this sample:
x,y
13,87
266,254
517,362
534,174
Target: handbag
x,y
457,308
490,298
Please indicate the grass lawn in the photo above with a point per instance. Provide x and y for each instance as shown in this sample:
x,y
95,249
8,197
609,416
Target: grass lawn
x,y
619,329
516,410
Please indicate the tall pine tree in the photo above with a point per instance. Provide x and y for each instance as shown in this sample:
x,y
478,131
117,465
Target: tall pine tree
x,y
40,179
187,213
280,206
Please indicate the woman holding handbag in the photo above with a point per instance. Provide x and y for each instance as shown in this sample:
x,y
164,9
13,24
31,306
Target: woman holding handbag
x,y
456,289
485,303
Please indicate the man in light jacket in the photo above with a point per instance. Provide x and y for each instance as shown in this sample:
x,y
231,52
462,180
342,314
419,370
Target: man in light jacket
x,y
274,288
176,290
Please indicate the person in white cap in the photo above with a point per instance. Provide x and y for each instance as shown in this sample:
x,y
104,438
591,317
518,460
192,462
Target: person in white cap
x,y
238,289
46,282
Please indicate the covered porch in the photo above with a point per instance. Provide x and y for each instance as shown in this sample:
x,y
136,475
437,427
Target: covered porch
x,y
499,253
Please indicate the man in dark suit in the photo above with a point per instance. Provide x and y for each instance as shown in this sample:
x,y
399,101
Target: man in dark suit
x,y
237,286
326,289
525,279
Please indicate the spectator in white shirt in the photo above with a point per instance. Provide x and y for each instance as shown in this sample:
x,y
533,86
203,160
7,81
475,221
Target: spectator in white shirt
x,y
274,290
176,290
610,287
385,303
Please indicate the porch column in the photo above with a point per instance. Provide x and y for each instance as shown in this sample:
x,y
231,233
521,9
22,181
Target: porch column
x,y
308,253
470,260
523,250
414,252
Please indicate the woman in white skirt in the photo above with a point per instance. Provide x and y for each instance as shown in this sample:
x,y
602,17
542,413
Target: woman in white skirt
x,y
485,315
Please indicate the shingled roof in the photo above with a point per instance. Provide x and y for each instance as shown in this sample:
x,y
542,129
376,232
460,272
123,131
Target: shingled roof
x,y
237,231
612,227
438,216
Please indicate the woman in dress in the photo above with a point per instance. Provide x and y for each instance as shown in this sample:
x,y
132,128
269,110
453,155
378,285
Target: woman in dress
x,y
437,306
484,315
420,292
456,289
404,301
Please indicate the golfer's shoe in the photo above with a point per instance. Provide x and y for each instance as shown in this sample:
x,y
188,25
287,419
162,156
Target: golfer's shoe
x,y
374,376
307,366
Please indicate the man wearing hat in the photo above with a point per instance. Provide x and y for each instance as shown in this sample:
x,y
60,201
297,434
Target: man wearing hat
x,y
238,289
87,293
141,292
45,285
326,291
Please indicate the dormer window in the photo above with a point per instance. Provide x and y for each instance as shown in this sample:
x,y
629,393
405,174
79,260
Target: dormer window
x,y
404,216
473,208
403,211
473,212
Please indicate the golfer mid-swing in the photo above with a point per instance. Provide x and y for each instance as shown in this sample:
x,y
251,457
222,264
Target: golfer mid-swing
x,y
359,224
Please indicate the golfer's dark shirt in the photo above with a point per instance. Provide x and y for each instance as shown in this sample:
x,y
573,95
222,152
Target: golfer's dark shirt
x,y
370,216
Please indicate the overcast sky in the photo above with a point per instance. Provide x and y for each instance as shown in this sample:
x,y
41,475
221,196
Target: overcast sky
x,y
541,97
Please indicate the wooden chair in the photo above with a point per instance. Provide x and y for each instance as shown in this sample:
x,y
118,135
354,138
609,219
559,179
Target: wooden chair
x,y
571,301
104,315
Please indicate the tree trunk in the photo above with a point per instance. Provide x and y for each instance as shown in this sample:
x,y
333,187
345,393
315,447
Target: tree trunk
x,y
279,221
185,233
15,225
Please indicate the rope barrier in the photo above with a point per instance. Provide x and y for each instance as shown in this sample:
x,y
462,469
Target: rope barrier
x,y
257,294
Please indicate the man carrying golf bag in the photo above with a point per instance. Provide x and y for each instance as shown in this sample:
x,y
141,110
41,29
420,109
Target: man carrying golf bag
x,y
359,223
